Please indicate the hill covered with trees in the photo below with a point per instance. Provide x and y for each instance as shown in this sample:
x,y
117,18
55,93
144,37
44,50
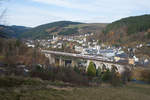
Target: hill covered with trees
x,y
12,31
127,30
55,28
46,29
62,28
133,24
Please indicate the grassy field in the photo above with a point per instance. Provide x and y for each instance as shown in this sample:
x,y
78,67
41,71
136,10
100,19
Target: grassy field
x,y
129,92
34,89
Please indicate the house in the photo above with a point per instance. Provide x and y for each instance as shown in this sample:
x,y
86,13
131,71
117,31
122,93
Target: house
x,y
84,39
98,47
59,45
148,44
131,61
31,45
89,51
80,41
107,52
84,45
55,38
53,42
78,49
136,59
94,43
123,58
139,46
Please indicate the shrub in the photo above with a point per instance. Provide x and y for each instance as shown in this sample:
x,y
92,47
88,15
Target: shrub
x,y
141,74
40,72
106,76
104,68
76,69
126,75
98,72
69,75
65,74
91,71
146,75
115,79
12,81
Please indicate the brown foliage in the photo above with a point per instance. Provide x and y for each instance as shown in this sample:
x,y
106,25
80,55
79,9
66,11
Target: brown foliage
x,y
14,52
65,74
141,74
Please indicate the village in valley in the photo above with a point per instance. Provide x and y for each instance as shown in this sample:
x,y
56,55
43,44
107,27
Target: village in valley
x,y
79,44
74,50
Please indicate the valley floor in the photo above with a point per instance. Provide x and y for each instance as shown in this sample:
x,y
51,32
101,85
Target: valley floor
x,y
41,90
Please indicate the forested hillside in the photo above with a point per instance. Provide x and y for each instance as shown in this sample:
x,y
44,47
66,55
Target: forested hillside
x,y
46,29
132,24
127,30
62,28
12,31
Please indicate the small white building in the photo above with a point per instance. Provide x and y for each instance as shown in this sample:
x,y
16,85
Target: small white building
x,y
78,49
59,45
31,45
84,39
136,59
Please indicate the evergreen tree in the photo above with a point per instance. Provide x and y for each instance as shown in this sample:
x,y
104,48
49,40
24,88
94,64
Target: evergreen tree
x,y
98,72
106,76
91,69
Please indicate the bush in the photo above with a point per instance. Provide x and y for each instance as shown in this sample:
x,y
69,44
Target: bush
x,y
76,69
115,79
40,72
9,82
126,75
146,75
141,74
98,72
111,76
106,76
104,68
91,71
65,74
69,75
12,81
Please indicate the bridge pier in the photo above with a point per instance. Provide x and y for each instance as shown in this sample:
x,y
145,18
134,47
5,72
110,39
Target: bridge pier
x,y
74,63
61,62
51,59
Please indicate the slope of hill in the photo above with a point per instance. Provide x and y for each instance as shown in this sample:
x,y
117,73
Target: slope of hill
x,y
89,27
12,31
62,28
133,24
46,29
131,29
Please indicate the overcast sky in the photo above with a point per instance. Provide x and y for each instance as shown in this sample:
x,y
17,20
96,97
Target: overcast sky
x,y
36,12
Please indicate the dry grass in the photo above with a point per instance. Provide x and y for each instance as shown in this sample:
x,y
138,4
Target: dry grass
x,y
130,92
46,90
141,74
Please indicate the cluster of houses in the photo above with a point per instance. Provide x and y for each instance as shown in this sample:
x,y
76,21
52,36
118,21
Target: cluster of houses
x,y
80,45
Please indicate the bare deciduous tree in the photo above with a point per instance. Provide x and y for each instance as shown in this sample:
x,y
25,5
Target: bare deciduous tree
x,y
2,16
3,11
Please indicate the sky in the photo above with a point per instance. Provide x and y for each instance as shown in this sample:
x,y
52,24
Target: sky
x,y
32,13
